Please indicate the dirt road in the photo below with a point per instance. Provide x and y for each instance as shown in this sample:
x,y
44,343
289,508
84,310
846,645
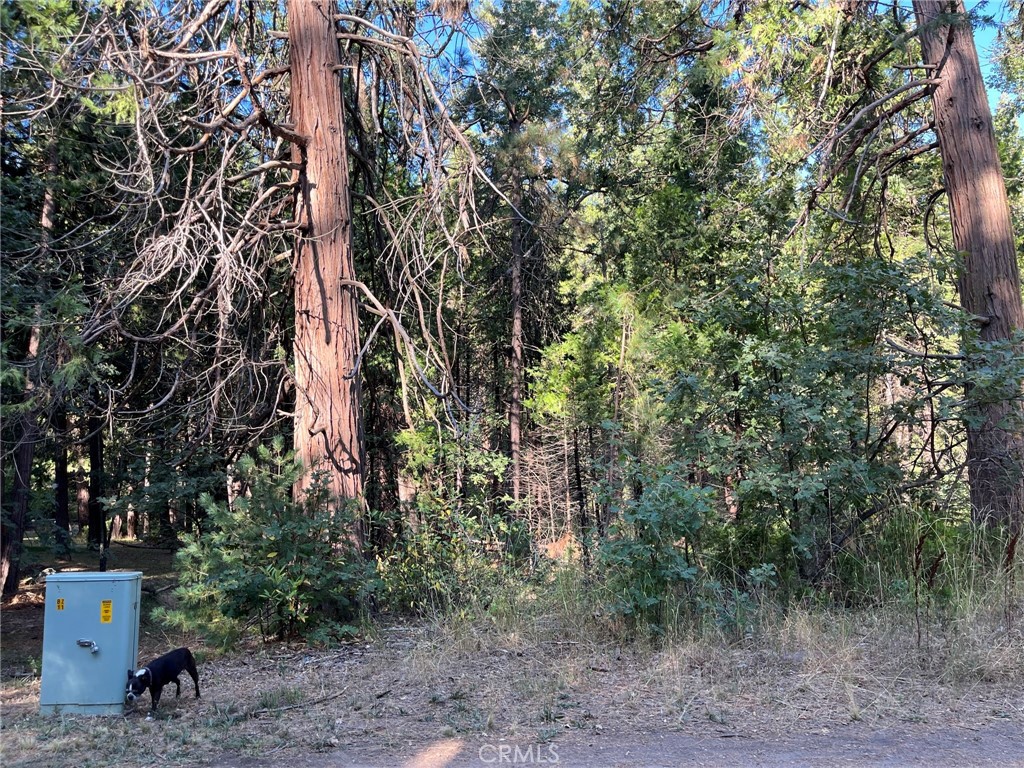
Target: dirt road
x,y
998,744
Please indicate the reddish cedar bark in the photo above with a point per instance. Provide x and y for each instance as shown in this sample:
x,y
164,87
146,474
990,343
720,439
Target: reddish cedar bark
x,y
328,426
989,284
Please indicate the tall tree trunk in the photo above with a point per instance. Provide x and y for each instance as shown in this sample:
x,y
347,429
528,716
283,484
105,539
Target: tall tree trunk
x,y
989,283
515,411
328,426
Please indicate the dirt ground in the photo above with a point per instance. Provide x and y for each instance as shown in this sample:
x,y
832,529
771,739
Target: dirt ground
x,y
848,746
818,690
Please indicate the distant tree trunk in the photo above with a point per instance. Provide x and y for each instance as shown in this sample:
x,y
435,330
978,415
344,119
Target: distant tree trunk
x,y
61,510
61,484
515,415
14,528
328,426
97,516
164,523
989,283
581,498
82,500
612,472
496,441
13,533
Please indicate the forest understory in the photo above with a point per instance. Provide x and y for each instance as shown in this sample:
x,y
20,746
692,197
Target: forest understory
x,y
531,370
541,666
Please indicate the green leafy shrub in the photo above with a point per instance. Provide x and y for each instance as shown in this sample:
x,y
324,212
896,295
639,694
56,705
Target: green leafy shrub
x,y
440,564
265,560
453,544
649,555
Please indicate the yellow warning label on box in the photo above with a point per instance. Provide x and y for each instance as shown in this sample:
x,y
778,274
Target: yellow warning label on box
x,y
106,611
60,603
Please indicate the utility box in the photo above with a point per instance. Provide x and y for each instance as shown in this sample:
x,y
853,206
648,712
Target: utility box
x,y
90,641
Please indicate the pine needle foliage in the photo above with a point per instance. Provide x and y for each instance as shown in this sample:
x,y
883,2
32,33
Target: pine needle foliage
x,y
263,560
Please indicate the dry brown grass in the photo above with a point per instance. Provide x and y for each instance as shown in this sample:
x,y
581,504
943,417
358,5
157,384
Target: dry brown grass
x,y
539,664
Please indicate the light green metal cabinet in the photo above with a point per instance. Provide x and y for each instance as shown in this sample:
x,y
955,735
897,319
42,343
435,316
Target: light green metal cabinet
x,y
90,640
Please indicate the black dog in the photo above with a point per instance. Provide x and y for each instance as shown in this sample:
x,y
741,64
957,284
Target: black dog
x,y
159,673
